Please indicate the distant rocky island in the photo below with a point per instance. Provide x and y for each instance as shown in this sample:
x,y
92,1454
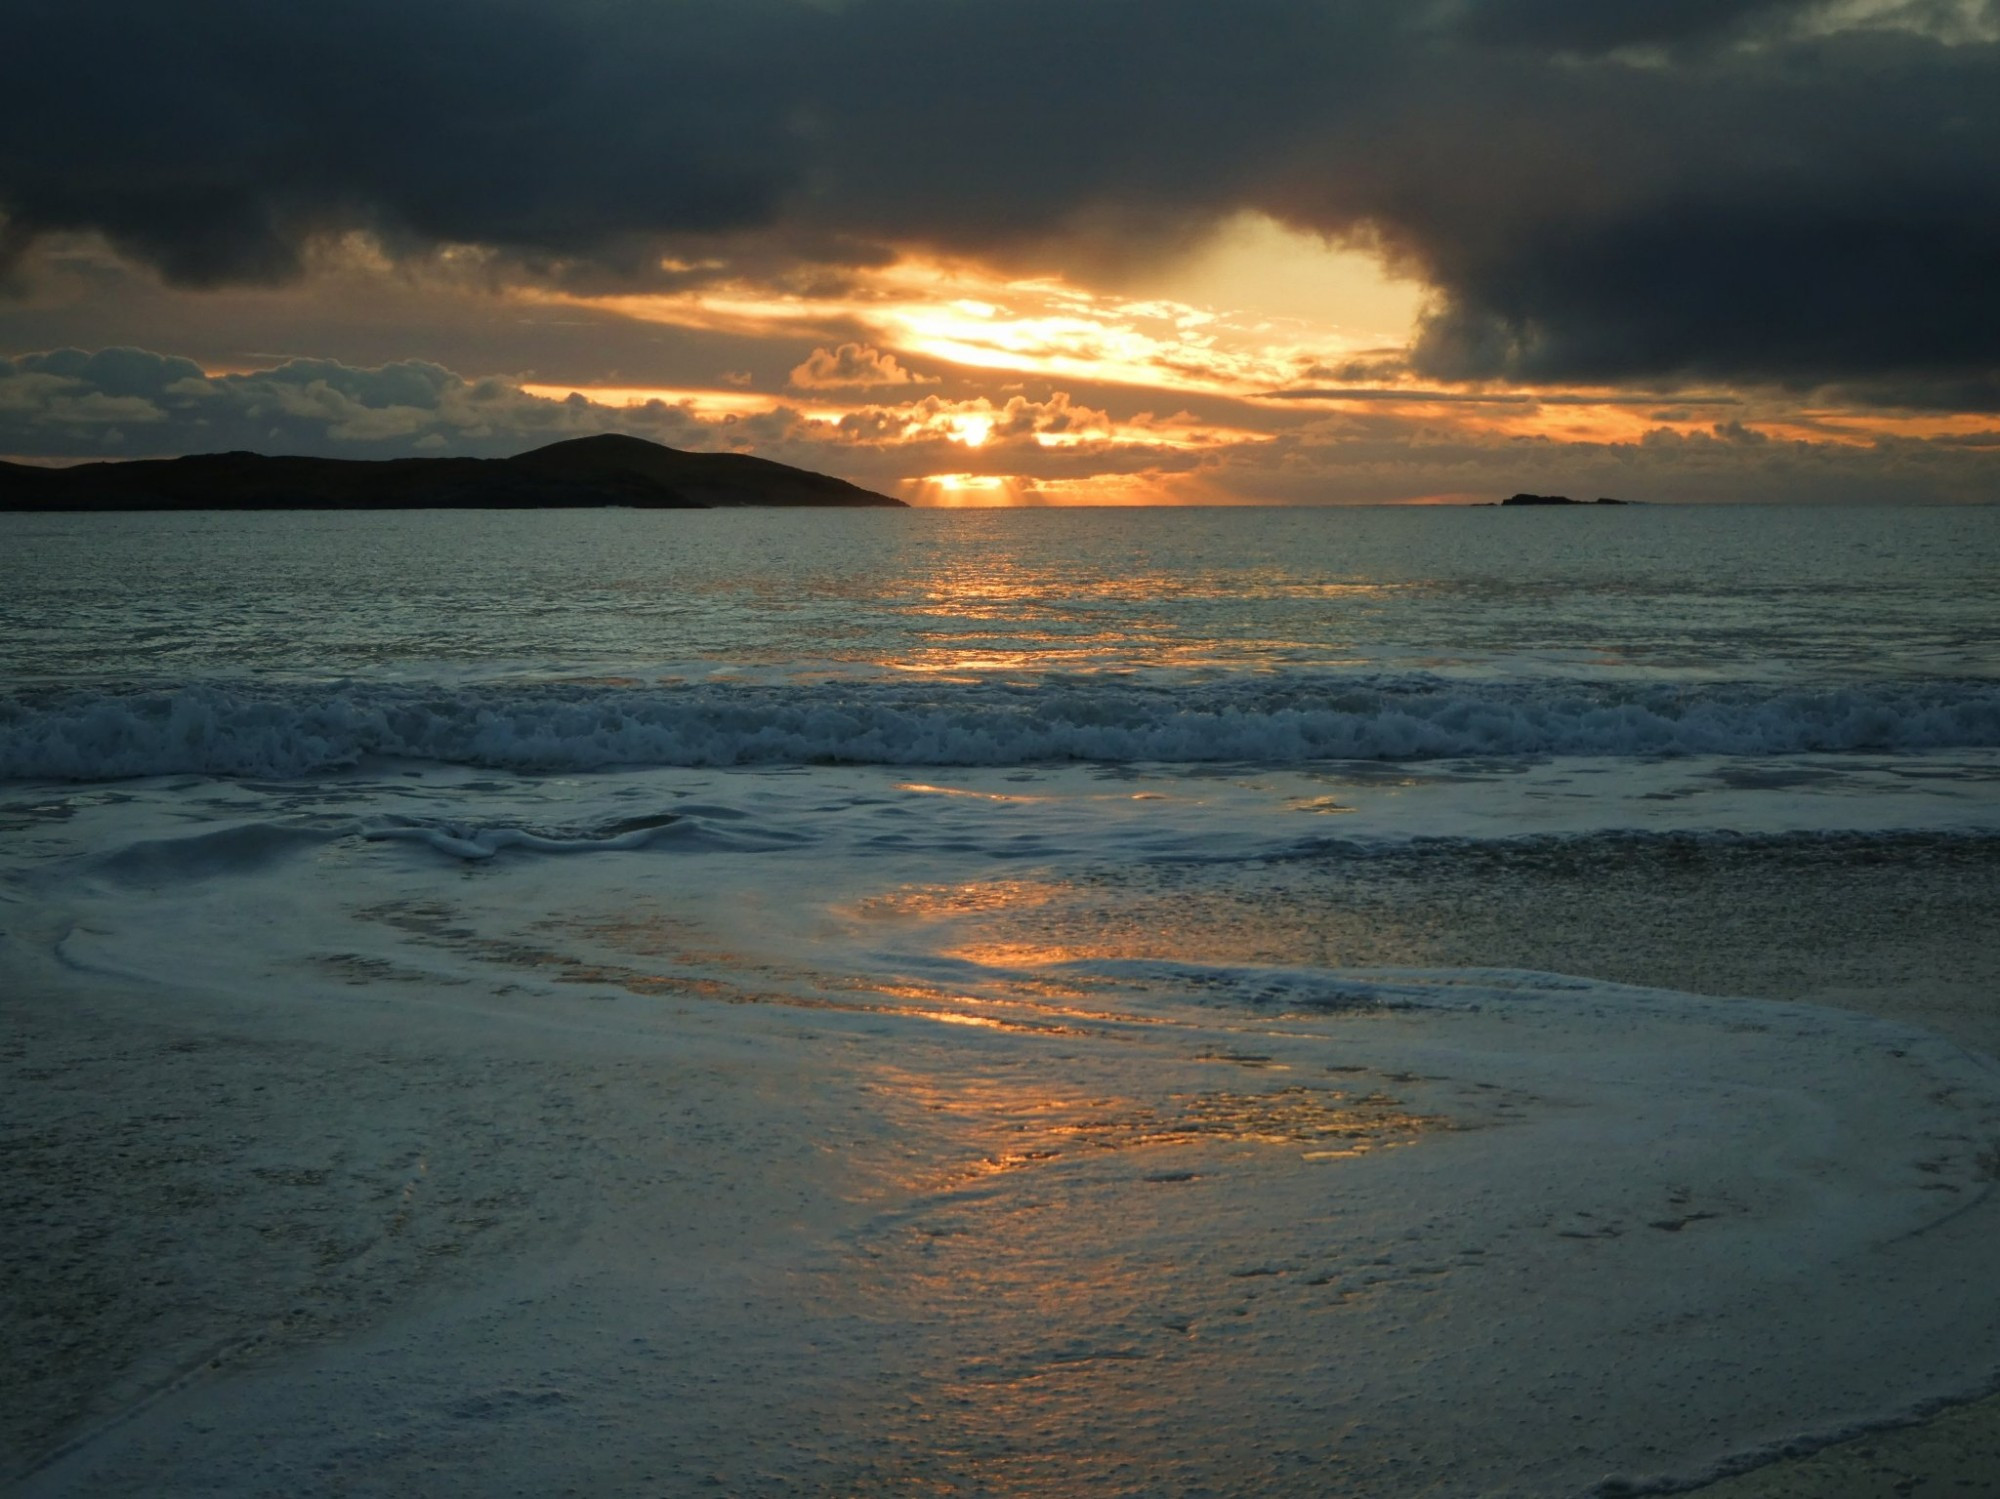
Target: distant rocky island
x,y
1555,499
582,472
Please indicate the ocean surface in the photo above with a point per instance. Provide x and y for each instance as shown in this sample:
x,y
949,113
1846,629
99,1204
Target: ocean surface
x,y
1383,1001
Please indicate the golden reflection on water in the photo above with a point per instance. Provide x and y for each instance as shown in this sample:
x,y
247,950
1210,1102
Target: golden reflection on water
x,y
1099,1270
1014,613
1052,1007
1062,1207
1033,949
959,663
663,956
985,796
1020,1122
1031,955
940,901
964,592
985,905
951,660
1005,925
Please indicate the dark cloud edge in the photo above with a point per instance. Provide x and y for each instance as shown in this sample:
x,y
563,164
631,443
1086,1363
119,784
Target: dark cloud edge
x,y
1694,190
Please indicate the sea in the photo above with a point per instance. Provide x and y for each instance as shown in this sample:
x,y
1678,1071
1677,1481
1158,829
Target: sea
x,y
1366,1001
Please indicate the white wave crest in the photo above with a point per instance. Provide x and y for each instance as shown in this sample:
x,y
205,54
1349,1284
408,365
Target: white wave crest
x,y
290,730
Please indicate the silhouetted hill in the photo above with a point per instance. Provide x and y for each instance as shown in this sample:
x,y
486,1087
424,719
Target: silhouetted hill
x,y
585,471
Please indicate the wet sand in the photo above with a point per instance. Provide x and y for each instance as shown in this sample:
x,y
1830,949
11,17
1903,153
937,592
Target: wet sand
x,y
356,1187
1899,930
1909,938
1955,1452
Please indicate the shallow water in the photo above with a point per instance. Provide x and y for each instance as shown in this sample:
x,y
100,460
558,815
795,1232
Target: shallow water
x,y
995,1004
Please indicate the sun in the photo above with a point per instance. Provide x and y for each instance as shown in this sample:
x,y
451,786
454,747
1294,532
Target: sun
x,y
973,431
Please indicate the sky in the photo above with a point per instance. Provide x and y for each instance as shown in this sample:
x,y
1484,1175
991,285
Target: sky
x,y
975,252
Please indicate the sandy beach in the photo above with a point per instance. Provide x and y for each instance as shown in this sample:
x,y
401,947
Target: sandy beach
x,y
356,1160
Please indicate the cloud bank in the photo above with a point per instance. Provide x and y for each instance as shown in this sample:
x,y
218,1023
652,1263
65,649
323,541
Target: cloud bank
x,y
1799,192
121,403
128,403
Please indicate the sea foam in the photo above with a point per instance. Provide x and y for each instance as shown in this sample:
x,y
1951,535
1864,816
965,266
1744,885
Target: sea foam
x,y
292,730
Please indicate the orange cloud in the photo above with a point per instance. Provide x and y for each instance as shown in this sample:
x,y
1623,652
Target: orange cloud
x,y
854,365
1051,423
1055,423
1317,409
977,320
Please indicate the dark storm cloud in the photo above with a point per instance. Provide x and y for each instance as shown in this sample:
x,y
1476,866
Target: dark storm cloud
x,y
1565,24
1974,393
214,139
1658,190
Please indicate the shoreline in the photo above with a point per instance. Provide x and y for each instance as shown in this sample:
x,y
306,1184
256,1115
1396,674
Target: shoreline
x,y
1954,1448
361,1149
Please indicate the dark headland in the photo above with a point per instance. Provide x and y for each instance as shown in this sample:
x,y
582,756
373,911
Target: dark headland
x,y
585,471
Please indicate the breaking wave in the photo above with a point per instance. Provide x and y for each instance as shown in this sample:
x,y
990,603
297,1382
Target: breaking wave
x,y
290,730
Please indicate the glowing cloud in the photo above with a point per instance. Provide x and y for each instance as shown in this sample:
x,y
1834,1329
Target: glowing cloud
x,y
965,315
853,365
